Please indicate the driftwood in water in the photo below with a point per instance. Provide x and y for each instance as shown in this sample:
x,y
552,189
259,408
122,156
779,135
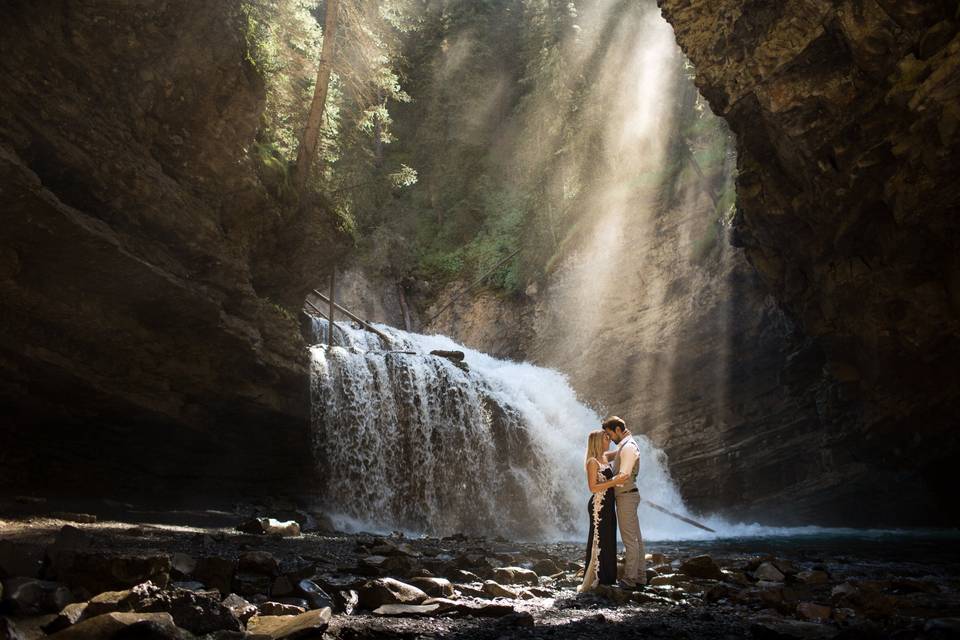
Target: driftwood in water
x,y
449,355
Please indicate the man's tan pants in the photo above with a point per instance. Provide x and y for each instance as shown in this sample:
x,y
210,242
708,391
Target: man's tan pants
x,y
634,560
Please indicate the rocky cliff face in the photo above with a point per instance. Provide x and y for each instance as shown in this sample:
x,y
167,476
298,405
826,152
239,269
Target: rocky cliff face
x,y
139,348
846,117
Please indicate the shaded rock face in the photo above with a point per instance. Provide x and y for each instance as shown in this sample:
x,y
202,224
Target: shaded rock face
x,y
138,348
846,118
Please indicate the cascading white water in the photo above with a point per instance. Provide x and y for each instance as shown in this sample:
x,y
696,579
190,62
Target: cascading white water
x,y
407,440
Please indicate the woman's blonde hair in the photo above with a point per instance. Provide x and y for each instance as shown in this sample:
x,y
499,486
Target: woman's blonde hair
x,y
594,446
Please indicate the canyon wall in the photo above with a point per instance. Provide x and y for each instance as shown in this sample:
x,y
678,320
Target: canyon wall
x,y
144,350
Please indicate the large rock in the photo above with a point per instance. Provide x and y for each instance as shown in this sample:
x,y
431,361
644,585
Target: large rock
x,y
515,575
192,611
305,625
701,567
26,596
388,591
767,571
109,625
434,587
497,590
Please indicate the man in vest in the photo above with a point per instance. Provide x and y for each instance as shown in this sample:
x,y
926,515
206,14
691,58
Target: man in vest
x,y
626,460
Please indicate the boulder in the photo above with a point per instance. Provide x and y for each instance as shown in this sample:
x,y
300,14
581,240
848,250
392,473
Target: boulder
x,y
702,567
24,596
381,591
498,590
435,587
516,575
258,562
240,607
812,611
216,572
406,609
271,608
768,572
460,575
109,625
192,611
309,624
317,597
545,567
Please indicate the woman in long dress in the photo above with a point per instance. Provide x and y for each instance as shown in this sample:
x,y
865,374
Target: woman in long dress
x,y
601,560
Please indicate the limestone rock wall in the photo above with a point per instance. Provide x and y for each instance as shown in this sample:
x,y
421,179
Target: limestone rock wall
x,y
846,117
143,349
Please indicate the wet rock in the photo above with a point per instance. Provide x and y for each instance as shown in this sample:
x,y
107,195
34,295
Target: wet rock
x,y
702,567
216,572
497,590
9,631
406,609
317,597
768,572
109,625
270,526
68,616
20,560
309,624
516,575
435,587
812,611
271,608
25,596
381,591
258,562
240,607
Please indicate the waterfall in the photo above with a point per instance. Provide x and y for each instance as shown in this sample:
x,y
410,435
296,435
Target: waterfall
x,y
411,441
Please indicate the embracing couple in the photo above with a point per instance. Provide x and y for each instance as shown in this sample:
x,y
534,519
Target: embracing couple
x,y
612,479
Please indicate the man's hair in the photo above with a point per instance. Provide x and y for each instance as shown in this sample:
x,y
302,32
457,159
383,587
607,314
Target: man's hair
x,y
613,423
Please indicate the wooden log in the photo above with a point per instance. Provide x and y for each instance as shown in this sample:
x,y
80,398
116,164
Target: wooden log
x,y
333,283
677,516
363,323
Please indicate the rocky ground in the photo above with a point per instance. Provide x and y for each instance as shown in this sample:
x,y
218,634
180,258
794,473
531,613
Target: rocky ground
x,y
215,575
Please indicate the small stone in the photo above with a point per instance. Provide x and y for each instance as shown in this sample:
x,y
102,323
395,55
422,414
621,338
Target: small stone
x,y
309,624
813,577
239,607
68,616
815,612
317,597
271,608
498,590
702,567
768,572
406,609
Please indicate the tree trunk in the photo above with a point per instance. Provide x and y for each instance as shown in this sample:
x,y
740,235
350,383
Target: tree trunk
x,y
311,134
